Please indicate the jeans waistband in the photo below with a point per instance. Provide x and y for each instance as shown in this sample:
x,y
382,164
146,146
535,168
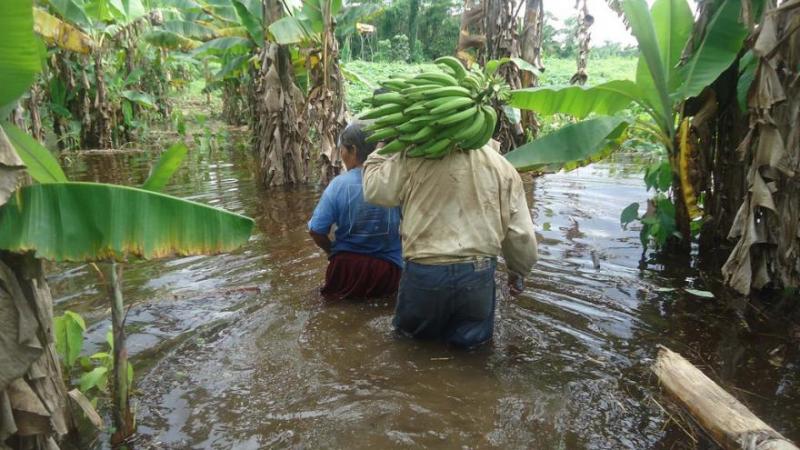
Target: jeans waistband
x,y
477,263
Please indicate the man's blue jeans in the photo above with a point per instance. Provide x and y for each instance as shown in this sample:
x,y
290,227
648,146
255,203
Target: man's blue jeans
x,y
453,302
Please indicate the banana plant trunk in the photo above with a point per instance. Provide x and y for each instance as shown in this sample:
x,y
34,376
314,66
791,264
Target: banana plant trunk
x,y
489,31
531,48
413,15
33,110
765,230
279,132
585,20
102,125
123,419
325,106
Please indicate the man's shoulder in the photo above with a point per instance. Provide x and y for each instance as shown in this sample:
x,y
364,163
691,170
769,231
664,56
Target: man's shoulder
x,y
494,159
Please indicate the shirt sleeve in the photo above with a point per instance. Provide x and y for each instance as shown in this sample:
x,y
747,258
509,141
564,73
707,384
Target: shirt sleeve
x,y
384,179
520,248
325,213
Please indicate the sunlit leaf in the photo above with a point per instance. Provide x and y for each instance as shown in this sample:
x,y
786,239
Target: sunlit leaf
x,y
41,164
699,293
653,67
288,30
70,10
167,165
719,48
68,333
91,221
578,101
98,378
170,40
225,44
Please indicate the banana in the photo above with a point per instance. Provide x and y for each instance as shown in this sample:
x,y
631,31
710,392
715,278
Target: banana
x,y
453,64
429,147
417,89
392,147
415,110
471,131
419,136
438,78
389,97
445,91
490,119
455,104
466,114
389,108
390,119
394,85
382,135
432,114
410,127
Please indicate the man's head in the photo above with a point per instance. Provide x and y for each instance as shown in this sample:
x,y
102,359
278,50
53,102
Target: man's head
x,y
353,145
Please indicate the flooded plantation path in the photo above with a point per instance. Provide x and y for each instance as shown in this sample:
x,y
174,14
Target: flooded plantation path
x,y
238,351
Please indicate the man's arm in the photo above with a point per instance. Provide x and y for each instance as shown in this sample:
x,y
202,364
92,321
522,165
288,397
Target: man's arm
x,y
384,179
520,248
322,241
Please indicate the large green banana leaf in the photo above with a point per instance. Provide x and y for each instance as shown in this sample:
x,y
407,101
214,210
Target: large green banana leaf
x,y
723,40
91,221
651,75
582,141
218,46
578,101
19,54
673,23
289,30
71,11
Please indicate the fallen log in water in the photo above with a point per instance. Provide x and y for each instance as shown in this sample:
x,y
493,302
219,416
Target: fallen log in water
x,y
724,418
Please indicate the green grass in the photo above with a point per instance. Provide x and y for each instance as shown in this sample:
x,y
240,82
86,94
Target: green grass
x,y
557,72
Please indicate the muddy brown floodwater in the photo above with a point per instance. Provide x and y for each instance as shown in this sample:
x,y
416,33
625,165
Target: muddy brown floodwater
x,y
237,351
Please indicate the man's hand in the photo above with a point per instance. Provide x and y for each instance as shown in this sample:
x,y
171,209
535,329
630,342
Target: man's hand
x,y
516,284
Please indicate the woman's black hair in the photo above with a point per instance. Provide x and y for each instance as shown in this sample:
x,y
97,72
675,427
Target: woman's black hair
x,y
354,136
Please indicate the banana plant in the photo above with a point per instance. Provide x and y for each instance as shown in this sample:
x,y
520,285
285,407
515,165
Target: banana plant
x,y
61,220
671,69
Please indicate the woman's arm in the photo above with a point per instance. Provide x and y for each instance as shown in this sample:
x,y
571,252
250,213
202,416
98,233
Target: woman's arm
x,y
322,241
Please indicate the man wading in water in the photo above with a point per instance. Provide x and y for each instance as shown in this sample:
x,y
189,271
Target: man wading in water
x,y
459,214
365,259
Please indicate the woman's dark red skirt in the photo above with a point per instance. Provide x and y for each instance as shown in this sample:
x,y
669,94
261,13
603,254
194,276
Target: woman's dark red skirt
x,y
354,275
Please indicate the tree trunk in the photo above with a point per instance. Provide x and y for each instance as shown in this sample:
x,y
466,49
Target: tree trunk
x,y
102,125
33,398
585,20
767,251
531,48
325,107
413,13
279,132
33,110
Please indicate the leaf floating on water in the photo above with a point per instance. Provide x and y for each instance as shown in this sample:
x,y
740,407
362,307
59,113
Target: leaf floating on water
x,y
665,289
699,293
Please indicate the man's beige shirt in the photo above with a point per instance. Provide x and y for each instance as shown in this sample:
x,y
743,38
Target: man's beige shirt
x,y
462,207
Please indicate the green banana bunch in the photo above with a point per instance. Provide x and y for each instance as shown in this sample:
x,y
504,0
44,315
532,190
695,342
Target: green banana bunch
x,y
434,113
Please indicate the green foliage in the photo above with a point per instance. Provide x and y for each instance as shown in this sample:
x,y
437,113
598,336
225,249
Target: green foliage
x,y
574,143
578,101
400,51
716,52
167,165
19,52
68,331
42,166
